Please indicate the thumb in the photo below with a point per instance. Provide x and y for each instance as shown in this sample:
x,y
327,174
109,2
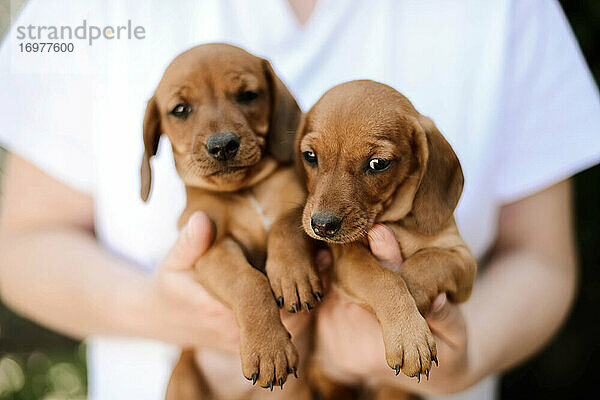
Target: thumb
x,y
384,247
193,241
446,320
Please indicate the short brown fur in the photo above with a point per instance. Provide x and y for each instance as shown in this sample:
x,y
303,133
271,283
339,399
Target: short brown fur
x,y
416,195
246,196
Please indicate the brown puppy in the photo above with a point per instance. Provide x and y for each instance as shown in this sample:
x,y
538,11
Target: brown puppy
x,y
230,122
369,157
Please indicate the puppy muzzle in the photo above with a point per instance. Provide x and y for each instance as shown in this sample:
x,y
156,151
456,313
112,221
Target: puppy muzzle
x,y
223,146
325,224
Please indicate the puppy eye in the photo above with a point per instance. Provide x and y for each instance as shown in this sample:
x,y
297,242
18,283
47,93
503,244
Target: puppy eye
x,y
378,165
181,110
246,97
310,157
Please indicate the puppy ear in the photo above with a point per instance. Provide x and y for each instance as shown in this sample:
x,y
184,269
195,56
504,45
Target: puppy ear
x,y
284,118
442,179
151,137
300,132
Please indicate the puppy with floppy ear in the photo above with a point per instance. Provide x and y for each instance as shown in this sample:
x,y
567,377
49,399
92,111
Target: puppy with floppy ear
x,y
367,156
231,123
284,117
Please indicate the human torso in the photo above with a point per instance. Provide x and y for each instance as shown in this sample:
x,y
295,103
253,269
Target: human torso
x,y
391,43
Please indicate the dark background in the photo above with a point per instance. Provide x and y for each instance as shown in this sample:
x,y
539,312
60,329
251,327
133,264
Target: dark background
x,y
36,363
569,368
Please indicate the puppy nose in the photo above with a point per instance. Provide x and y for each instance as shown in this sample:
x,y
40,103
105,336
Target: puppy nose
x,y
223,145
325,224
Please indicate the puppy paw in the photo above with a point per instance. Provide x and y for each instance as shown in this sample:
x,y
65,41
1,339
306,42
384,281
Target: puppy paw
x,y
268,356
409,344
295,286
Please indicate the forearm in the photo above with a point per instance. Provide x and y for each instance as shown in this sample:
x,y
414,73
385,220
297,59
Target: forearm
x,y
61,278
517,305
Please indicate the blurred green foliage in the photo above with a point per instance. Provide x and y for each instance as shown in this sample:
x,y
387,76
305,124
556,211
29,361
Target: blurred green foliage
x,y
36,363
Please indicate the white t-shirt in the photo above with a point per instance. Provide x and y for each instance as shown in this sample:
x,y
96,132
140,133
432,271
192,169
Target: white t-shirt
x,y
503,80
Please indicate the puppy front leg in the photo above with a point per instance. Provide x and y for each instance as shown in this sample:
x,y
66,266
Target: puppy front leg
x,y
431,271
290,266
409,344
267,352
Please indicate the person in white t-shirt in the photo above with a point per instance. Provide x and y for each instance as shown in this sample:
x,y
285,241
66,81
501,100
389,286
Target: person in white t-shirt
x,y
504,81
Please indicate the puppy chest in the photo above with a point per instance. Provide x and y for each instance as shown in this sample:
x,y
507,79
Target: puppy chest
x,y
249,224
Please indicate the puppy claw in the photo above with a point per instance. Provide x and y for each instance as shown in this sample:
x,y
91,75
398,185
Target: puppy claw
x,y
295,286
427,374
412,350
294,372
267,360
435,360
397,369
280,301
280,382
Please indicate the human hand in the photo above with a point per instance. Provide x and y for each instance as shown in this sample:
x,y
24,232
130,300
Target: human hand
x,y
178,310
349,339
